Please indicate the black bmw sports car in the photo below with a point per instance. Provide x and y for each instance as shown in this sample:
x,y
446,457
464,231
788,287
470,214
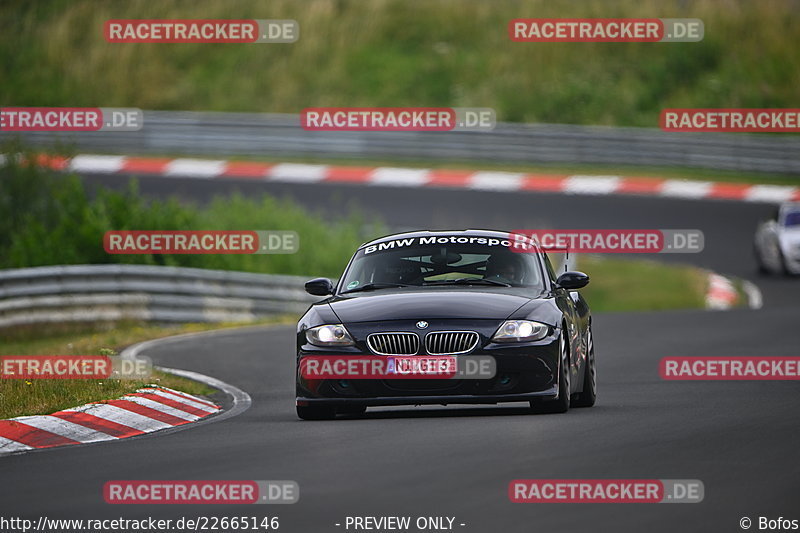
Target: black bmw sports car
x,y
455,295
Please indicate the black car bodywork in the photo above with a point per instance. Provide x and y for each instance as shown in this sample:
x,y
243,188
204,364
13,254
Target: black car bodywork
x,y
420,291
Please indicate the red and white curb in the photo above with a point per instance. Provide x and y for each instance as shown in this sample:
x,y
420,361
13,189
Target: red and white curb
x,y
721,293
149,409
410,177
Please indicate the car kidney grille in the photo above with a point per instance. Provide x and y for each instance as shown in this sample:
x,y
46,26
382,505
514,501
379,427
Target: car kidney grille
x,y
393,343
450,342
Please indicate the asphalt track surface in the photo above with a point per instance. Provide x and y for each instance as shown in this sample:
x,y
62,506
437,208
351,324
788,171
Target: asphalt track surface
x,y
739,438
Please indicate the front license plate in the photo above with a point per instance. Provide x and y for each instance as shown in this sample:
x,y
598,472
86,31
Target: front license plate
x,y
416,366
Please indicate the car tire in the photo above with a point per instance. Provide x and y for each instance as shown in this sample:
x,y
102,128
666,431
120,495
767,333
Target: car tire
x,y
316,412
780,267
562,402
588,396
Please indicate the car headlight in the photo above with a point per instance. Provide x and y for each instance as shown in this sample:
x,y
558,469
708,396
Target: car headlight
x,y
329,335
521,331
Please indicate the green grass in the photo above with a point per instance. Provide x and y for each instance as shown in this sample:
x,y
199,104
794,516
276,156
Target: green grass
x,y
641,285
19,397
405,53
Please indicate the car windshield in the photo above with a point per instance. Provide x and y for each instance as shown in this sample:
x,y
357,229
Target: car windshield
x,y
406,262
792,219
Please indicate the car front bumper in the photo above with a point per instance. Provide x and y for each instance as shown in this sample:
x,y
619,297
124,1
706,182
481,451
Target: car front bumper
x,y
549,394
524,372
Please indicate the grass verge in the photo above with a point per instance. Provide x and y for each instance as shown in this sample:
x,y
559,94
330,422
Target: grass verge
x,y
399,53
641,285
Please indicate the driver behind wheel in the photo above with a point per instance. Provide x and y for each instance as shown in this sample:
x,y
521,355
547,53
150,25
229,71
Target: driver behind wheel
x,y
503,268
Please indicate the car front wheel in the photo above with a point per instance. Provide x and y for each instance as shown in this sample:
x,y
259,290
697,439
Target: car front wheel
x,y
588,395
561,403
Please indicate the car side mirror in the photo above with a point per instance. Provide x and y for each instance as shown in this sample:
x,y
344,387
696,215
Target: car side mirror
x,y
319,287
572,280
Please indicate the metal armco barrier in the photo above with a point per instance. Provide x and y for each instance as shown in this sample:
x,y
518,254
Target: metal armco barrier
x,y
91,293
272,135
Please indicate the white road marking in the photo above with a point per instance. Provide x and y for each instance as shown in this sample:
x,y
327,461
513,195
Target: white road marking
x,y
195,168
64,428
399,177
12,446
496,181
770,193
164,408
122,416
591,184
686,189
103,164
176,398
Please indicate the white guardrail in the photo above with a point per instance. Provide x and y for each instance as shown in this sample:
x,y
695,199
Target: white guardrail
x,y
279,135
92,293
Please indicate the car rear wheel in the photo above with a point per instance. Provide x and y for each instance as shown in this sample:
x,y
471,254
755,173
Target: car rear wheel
x,y
561,403
316,412
762,268
774,262
588,395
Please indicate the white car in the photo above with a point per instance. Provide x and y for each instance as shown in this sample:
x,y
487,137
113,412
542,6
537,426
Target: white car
x,y
777,241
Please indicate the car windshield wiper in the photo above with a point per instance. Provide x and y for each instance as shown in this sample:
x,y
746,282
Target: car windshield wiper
x,y
468,281
373,286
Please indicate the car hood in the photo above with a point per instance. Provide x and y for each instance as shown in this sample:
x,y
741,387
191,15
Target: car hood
x,y
427,304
